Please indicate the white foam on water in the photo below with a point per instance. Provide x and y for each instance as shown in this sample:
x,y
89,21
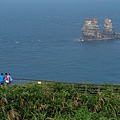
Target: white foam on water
x,y
78,40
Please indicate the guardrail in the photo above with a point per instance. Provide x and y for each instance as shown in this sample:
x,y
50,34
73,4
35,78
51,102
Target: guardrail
x,y
91,88
97,88
27,80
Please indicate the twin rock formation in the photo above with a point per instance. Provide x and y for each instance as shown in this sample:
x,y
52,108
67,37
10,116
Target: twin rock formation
x,y
91,31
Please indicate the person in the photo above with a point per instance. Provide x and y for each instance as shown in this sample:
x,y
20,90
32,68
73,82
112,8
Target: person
x,y
8,79
2,79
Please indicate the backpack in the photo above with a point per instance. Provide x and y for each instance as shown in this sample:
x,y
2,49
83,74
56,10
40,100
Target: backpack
x,y
10,79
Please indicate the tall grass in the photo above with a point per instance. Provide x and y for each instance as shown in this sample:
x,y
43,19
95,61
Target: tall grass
x,y
56,101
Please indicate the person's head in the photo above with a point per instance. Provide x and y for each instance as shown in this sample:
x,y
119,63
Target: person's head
x,y
8,74
1,73
5,73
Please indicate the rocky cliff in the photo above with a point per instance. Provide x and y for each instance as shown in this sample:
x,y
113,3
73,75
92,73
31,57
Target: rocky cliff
x,y
91,30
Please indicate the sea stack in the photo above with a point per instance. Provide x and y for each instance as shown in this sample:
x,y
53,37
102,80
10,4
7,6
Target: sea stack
x,y
108,29
91,30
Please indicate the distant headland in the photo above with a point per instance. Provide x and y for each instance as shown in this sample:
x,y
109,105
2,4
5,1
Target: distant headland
x,y
91,30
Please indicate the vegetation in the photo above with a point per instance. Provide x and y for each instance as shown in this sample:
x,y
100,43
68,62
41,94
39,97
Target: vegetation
x,y
57,101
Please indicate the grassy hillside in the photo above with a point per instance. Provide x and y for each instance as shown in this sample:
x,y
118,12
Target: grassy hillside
x,y
57,101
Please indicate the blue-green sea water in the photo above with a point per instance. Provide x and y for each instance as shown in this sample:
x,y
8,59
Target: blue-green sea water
x,y
39,40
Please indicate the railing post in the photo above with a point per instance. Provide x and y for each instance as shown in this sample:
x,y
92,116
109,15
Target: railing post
x,y
86,88
112,88
98,88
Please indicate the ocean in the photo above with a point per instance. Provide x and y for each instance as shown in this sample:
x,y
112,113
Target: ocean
x,y
39,40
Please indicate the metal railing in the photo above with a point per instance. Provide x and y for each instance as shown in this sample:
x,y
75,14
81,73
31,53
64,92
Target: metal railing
x,y
91,88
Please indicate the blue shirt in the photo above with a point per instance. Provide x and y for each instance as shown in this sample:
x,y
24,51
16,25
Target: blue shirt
x,y
2,78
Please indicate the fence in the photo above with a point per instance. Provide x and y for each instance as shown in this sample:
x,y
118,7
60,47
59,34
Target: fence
x,y
97,88
81,87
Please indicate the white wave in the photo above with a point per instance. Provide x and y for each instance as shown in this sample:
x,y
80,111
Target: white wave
x,y
78,40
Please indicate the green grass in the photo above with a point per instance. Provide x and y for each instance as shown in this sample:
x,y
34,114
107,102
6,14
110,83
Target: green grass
x,y
56,101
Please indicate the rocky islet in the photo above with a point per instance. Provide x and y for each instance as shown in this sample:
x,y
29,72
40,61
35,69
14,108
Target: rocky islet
x,y
91,30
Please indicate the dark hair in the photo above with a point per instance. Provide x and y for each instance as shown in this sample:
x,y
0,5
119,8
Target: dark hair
x,y
5,73
1,73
